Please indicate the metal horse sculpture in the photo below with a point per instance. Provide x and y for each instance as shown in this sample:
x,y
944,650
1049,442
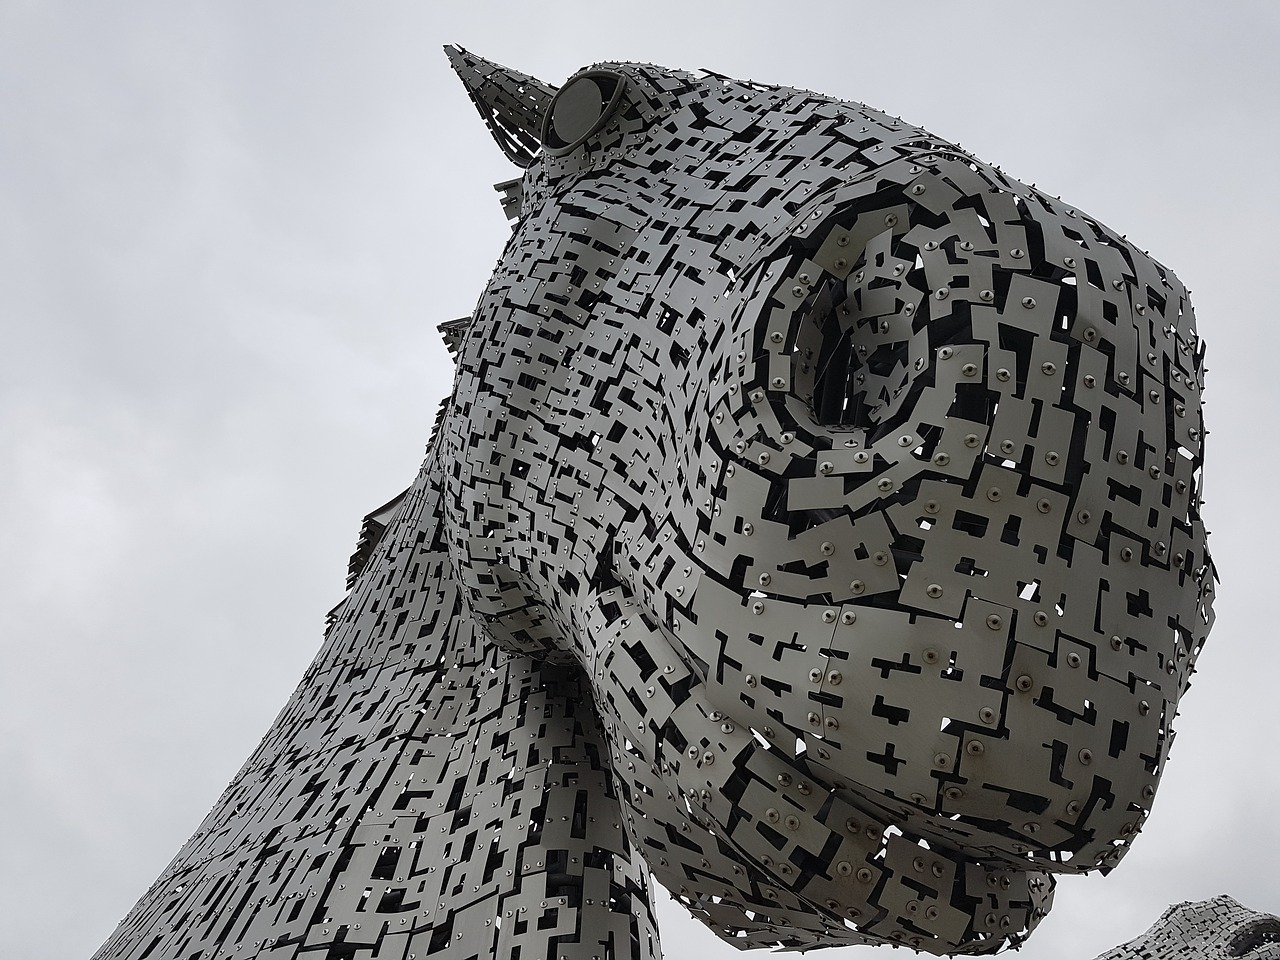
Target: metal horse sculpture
x,y
813,526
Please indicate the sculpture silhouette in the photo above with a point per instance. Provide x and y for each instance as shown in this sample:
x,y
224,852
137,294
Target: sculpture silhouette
x,y
814,523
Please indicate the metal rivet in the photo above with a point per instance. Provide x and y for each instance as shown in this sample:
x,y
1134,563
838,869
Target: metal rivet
x,y
971,440
1040,617
827,548
930,655
941,760
764,457
942,293
931,506
848,617
1029,302
765,579
986,295
1024,683
757,608
828,616
1048,369
941,459
933,590
994,494
987,715
1073,659
857,586
1044,506
917,189
994,621
969,369
1086,756
844,868
1016,253
834,678
864,875
975,748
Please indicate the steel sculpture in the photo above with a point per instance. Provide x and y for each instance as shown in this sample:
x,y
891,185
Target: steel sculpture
x,y
814,523
1217,929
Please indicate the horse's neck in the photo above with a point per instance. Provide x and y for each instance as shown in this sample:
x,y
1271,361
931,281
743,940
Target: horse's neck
x,y
419,791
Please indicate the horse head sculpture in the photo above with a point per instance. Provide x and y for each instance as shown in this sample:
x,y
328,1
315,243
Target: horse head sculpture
x,y
814,523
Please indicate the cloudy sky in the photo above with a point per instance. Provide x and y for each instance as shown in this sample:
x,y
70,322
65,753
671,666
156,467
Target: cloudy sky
x,y
228,231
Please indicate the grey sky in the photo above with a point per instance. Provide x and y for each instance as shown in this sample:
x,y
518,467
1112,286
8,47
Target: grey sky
x,y
227,232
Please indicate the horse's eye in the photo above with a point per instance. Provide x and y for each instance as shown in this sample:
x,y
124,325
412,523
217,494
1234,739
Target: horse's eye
x,y
580,109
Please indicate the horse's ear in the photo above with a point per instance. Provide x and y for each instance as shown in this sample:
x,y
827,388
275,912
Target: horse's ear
x,y
511,103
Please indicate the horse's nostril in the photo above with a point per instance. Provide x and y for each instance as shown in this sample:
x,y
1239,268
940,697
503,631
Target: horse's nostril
x,y
828,352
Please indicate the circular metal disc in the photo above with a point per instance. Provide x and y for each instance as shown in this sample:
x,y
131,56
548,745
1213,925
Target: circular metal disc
x,y
576,109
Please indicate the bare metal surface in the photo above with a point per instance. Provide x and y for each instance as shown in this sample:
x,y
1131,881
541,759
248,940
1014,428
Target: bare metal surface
x,y
814,523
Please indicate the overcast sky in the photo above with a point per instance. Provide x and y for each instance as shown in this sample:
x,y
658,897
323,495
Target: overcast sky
x,y
228,231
